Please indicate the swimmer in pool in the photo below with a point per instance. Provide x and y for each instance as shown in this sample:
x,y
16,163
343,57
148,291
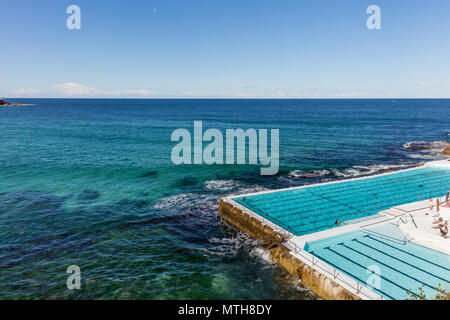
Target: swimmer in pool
x,y
337,222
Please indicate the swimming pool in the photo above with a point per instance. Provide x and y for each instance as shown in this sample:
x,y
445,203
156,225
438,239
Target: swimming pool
x,y
311,209
397,266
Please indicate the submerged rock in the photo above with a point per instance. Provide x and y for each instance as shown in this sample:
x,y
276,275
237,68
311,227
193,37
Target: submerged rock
x,y
430,148
149,174
186,182
88,195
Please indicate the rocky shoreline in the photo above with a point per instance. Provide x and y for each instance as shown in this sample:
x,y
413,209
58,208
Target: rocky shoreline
x,y
4,103
435,147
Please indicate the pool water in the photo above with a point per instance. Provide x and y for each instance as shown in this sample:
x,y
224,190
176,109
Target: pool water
x,y
312,209
398,267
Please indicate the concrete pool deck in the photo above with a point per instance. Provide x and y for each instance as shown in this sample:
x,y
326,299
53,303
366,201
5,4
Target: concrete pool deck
x,y
421,231
288,249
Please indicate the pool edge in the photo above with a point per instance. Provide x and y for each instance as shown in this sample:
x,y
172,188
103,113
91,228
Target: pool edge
x,y
431,164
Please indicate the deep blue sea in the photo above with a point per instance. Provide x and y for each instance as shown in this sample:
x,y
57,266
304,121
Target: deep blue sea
x,y
90,182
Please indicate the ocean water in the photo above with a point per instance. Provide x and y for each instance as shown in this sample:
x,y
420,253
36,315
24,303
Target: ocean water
x,y
90,183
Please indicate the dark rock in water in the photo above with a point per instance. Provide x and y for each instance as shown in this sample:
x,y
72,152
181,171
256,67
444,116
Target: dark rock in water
x,y
185,182
423,145
417,148
88,195
149,174
49,239
127,204
433,148
4,103
30,202
156,220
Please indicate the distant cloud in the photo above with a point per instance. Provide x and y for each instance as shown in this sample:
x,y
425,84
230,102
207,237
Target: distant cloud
x,y
73,89
26,92
274,93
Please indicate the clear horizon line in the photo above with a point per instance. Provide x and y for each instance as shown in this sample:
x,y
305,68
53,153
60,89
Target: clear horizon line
x,y
236,98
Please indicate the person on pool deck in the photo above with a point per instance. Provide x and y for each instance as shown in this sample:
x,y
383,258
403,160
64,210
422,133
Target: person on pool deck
x,y
431,203
447,200
442,226
437,205
444,231
438,222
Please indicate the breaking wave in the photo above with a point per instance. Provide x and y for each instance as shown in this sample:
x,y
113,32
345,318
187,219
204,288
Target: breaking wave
x,y
262,254
308,174
223,185
352,172
231,246
186,200
357,171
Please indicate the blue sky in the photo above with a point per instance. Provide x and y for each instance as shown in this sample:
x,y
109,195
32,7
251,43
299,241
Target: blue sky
x,y
225,49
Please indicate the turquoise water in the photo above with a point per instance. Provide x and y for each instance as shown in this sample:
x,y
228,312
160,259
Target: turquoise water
x,y
400,267
90,182
308,210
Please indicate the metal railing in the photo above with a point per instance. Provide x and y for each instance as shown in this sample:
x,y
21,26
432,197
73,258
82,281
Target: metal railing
x,y
414,221
425,196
